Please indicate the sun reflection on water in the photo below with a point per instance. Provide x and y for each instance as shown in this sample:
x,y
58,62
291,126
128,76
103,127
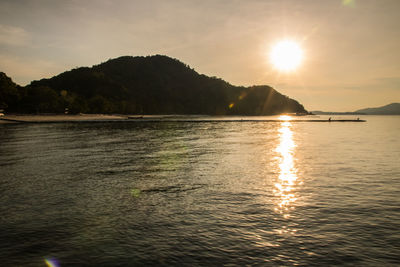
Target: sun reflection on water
x,y
285,118
287,179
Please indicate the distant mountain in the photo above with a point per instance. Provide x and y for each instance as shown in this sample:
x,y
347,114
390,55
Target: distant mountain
x,y
318,112
391,109
147,85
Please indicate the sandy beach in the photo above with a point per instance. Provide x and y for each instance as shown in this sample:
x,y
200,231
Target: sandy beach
x,y
21,118
49,118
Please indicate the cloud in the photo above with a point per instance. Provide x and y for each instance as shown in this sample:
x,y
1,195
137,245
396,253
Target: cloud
x,y
23,71
389,83
13,36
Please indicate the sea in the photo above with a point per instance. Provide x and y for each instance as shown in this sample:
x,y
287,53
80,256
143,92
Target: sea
x,y
235,191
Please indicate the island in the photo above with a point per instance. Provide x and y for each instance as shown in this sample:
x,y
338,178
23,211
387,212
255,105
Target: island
x,y
141,85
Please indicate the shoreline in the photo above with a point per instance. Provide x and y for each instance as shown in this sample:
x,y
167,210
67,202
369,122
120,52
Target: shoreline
x,y
62,118
29,118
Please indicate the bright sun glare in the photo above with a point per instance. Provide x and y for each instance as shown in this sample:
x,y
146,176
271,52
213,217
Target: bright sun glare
x,y
286,55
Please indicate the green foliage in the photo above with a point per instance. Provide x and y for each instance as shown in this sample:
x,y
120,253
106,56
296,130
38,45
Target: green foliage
x,y
42,99
9,94
148,85
99,104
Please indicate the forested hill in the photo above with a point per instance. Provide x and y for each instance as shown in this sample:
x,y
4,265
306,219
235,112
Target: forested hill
x,y
145,85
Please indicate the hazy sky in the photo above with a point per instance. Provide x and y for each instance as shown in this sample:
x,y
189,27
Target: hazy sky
x,y
351,47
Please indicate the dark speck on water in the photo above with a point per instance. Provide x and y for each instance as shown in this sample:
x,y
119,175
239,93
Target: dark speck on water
x,y
200,194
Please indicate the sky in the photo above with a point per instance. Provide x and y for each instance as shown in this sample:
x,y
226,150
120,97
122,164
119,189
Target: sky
x,y
351,47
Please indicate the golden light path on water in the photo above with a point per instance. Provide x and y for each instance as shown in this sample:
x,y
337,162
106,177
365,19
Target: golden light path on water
x,y
287,179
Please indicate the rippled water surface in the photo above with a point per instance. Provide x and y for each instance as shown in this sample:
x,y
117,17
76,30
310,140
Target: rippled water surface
x,y
200,193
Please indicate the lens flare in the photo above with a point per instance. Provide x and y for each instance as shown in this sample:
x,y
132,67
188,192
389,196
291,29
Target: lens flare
x,y
52,262
350,3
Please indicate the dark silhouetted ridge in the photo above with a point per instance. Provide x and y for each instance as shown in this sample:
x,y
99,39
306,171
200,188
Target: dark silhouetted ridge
x,y
9,93
391,109
148,85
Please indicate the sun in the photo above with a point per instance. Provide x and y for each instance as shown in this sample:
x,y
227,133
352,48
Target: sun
x,y
286,55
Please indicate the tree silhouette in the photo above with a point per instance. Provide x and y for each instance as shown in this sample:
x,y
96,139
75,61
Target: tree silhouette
x,y
147,85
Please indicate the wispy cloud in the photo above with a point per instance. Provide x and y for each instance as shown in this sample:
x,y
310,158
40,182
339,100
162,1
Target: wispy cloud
x,y
348,51
389,82
13,36
24,70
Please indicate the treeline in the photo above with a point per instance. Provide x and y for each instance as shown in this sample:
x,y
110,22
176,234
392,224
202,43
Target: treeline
x,y
141,85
